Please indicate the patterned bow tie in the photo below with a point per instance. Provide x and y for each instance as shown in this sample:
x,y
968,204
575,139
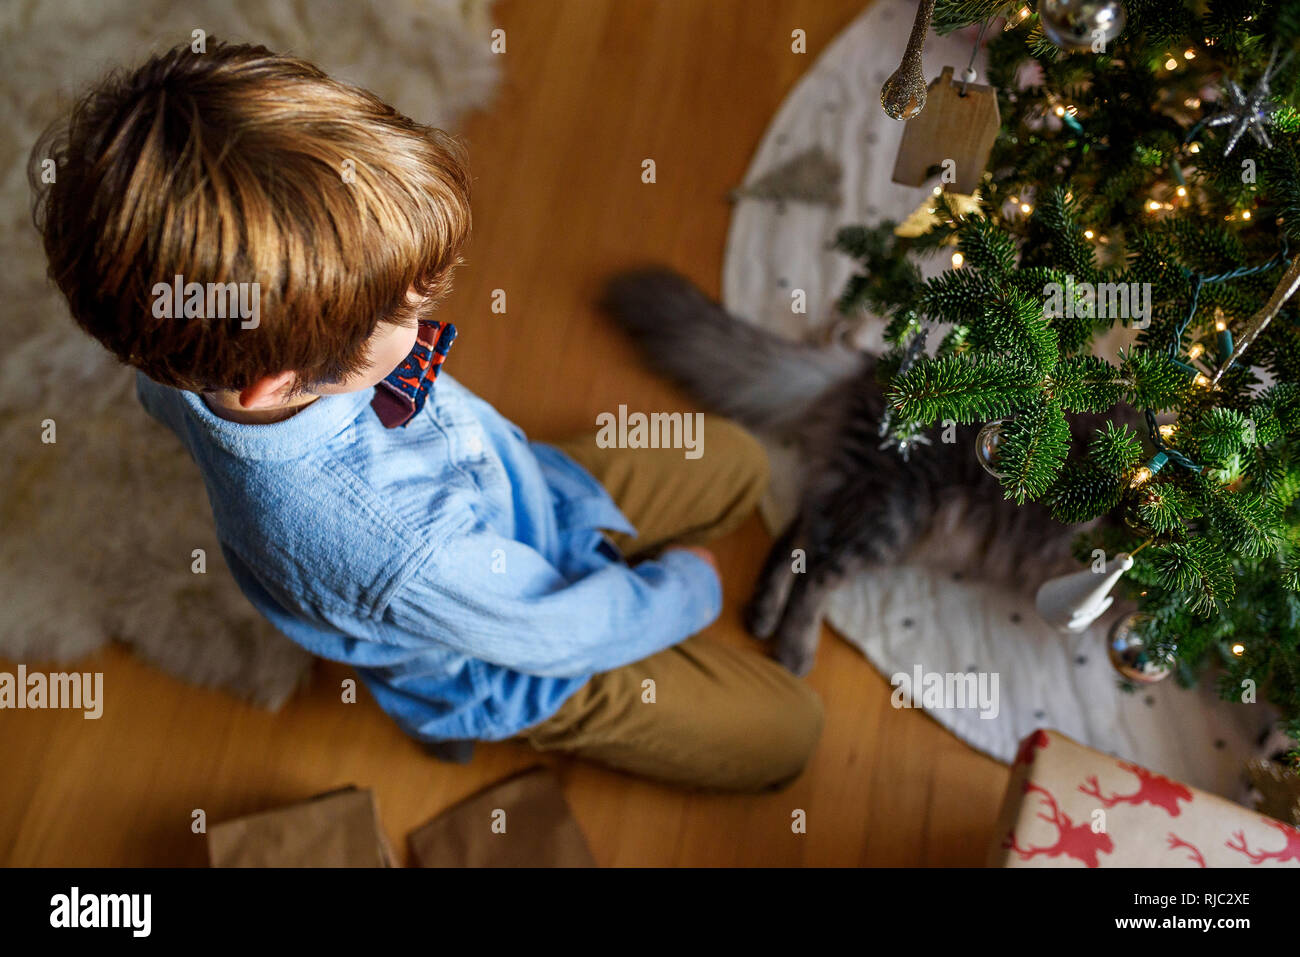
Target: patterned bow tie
x,y
403,392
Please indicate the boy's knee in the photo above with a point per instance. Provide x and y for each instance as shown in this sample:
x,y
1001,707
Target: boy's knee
x,y
740,457
734,443
798,723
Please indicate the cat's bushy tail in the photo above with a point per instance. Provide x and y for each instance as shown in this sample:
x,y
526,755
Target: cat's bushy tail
x,y
760,379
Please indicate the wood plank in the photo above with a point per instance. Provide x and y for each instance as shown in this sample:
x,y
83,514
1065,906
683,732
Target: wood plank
x,y
592,87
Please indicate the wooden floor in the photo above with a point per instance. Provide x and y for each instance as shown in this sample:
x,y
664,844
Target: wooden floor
x,y
592,88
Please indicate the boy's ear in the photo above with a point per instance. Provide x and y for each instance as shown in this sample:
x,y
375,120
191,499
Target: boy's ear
x,y
267,391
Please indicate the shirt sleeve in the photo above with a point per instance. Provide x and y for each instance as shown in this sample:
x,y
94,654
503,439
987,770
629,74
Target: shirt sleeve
x,y
499,600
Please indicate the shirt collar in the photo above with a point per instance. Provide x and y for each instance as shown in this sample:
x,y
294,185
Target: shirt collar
x,y
289,438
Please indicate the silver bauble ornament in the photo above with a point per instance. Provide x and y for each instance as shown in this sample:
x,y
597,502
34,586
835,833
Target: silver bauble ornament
x,y
1132,657
1081,24
986,446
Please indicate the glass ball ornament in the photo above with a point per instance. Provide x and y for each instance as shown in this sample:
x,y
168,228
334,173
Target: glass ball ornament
x,y
1081,24
1132,657
1132,514
986,446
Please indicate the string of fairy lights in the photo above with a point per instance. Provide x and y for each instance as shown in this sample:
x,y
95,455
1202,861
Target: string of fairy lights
x,y
1242,112
1164,452
1161,436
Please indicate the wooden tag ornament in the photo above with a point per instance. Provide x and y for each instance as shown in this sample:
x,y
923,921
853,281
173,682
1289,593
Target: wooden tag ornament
x,y
959,123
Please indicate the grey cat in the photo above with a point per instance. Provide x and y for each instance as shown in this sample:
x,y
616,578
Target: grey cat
x,y
861,505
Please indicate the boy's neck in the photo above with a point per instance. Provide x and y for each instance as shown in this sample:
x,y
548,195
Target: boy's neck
x,y
226,405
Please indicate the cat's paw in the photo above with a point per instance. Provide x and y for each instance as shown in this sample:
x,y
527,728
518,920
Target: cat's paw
x,y
798,657
762,615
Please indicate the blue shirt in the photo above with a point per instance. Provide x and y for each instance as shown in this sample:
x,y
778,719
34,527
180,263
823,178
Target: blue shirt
x,y
460,568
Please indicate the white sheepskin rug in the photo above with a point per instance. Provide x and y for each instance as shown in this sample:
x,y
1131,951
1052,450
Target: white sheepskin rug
x,y
98,528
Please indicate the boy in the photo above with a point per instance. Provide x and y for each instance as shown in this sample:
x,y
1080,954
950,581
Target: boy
x,y
266,246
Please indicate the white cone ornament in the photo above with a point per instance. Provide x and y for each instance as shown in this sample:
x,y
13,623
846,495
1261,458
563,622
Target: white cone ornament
x,y
1073,602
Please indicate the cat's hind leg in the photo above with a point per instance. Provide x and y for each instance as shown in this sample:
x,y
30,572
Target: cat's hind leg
x,y
763,613
855,528
799,632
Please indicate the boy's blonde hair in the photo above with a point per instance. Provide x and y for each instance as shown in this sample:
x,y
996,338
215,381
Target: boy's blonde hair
x,y
240,165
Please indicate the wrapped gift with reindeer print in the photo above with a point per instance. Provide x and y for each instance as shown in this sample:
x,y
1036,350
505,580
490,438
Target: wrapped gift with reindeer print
x,y
1071,806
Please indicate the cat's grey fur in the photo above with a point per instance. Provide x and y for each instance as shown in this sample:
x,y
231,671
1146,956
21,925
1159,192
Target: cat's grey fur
x,y
861,505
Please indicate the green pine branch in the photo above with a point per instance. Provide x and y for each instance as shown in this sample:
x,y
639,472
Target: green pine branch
x,y
1085,384
964,390
1032,451
1197,570
1132,189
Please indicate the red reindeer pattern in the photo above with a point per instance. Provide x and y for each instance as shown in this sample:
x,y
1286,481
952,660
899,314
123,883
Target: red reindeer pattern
x,y
1176,842
1077,841
1290,852
1154,789
1030,746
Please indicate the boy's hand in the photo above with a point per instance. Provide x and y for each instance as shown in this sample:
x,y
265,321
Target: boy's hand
x,y
699,552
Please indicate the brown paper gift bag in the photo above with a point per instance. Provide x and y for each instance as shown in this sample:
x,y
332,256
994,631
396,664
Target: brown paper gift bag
x,y
521,822
336,829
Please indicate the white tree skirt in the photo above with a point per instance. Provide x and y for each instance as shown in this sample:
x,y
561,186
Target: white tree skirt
x,y
909,616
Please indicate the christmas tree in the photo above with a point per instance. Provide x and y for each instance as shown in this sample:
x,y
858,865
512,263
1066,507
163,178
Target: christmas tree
x,y
1146,176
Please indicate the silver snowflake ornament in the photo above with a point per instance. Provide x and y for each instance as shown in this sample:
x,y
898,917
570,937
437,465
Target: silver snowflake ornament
x,y
1247,112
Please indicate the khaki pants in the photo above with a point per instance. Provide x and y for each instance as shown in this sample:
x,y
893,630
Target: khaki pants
x,y
722,718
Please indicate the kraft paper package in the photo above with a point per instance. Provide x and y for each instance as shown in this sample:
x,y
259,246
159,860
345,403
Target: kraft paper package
x,y
522,822
339,828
